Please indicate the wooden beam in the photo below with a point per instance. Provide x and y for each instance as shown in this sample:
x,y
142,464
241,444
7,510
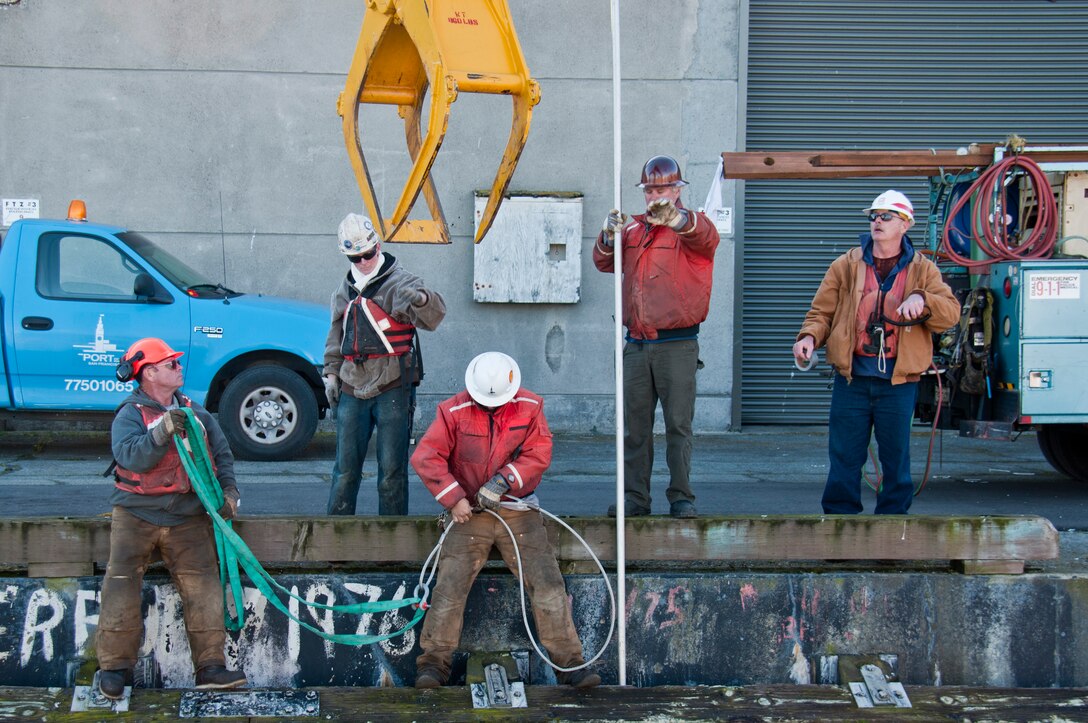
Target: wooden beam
x,y
359,540
861,164
775,702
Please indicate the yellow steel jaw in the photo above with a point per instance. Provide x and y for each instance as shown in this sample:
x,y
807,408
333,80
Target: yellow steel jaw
x,y
450,47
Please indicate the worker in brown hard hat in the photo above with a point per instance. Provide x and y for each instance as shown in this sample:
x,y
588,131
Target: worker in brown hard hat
x,y
668,271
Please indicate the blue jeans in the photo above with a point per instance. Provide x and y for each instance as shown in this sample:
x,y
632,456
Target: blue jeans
x,y
391,413
865,405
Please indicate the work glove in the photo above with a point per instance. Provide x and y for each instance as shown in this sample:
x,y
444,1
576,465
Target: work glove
x,y
613,225
490,495
664,212
171,423
226,511
332,389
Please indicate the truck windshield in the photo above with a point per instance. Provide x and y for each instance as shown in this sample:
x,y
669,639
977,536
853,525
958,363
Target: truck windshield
x,y
173,268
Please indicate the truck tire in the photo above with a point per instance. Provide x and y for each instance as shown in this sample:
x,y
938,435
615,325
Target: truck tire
x,y
1065,447
268,413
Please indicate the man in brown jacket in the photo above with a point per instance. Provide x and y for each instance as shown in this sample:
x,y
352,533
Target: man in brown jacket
x,y
875,312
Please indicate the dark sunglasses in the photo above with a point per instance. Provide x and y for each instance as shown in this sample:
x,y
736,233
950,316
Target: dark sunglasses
x,y
365,256
886,216
172,364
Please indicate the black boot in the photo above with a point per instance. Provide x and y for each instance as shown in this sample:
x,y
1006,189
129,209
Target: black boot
x,y
112,683
218,677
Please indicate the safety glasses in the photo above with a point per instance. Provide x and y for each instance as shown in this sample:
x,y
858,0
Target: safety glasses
x,y
171,364
885,216
365,256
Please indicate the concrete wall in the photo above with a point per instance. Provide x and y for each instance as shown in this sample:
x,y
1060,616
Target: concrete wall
x,y
212,128
720,628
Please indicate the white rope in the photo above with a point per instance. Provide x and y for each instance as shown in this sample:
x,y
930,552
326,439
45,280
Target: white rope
x,y
617,272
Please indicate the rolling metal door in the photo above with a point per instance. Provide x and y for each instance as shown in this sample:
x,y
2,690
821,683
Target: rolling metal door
x,y
844,74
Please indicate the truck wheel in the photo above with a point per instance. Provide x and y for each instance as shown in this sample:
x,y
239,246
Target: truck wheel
x,y
268,413
1065,447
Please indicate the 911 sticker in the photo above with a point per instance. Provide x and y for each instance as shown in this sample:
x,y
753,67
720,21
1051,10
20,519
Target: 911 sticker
x,y
1053,286
97,385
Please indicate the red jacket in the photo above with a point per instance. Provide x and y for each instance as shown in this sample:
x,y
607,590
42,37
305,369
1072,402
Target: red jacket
x,y
466,446
667,275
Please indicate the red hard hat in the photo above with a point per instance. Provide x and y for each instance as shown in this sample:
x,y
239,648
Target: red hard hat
x,y
661,171
147,351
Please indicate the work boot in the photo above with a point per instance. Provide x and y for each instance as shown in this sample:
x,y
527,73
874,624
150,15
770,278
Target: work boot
x,y
683,509
112,683
584,678
630,509
218,677
429,678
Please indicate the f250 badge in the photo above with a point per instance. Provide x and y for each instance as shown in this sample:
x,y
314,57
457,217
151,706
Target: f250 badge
x,y
212,332
101,352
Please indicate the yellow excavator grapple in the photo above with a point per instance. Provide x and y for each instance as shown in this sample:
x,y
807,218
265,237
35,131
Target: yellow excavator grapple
x,y
449,47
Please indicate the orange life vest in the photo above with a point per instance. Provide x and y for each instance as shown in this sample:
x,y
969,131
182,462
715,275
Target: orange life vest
x,y
167,477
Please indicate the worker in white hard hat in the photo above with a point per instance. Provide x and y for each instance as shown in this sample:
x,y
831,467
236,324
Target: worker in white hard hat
x,y
488,444
875,312
668,271
373,365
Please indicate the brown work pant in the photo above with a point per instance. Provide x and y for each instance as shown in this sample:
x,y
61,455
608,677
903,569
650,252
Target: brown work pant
x,y
463,555
188,550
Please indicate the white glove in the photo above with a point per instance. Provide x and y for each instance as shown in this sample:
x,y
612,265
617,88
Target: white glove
x,y
664,212
332,389
613,225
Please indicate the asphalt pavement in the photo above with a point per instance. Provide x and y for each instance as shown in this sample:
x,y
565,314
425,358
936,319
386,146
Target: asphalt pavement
x,y
761,470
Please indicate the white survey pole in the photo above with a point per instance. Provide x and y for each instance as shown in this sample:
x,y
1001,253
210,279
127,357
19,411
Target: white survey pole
x,y
617,273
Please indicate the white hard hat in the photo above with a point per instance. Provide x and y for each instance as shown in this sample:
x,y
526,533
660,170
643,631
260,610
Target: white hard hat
x,y
892,201
356,235
492,378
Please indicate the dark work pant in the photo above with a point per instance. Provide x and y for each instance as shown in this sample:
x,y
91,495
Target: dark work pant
x,y
858,409
188,550
463,555
664,371
356,419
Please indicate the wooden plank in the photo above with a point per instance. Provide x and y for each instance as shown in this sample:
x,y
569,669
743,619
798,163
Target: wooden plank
x,y
607,703
862,164
989,567
364,539
60,569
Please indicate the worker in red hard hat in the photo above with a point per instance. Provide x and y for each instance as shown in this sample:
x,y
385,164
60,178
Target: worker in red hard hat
x,y
668,271
488,444
155,508
875,311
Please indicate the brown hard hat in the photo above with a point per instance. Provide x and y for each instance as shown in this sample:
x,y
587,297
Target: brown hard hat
x,y
661,171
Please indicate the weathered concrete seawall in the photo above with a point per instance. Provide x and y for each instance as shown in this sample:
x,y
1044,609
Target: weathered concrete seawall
x,y
735,628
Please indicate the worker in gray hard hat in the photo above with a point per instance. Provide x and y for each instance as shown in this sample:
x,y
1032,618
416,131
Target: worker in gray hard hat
x,y
488,444
668,270
875,311
373,364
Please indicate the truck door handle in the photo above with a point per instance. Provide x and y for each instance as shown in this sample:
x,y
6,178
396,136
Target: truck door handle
x,y
37,323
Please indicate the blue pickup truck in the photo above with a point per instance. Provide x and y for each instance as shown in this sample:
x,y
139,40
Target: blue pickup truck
x,y
74,295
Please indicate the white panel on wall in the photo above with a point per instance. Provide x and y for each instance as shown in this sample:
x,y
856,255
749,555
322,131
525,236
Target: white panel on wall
x,y
533,252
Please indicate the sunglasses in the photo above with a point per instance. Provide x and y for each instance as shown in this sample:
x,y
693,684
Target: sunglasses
x,y
366,256
886,216
172,364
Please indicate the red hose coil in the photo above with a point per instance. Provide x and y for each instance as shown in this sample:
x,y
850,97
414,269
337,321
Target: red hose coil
x,y
988,229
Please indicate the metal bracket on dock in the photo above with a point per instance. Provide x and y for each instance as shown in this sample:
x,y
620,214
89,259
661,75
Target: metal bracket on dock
x,y
89,697
495,681
876,690
272,703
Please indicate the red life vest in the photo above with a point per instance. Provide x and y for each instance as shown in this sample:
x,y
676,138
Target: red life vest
x,y
869,317
369,332
167,477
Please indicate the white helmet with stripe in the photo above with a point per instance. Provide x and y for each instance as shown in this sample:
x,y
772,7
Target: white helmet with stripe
x,y
892,201
492,378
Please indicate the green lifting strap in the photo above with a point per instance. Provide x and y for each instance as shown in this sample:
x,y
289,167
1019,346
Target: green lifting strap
x,y
233,552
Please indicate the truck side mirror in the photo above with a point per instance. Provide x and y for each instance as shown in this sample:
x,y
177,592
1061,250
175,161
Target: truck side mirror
x,y
145,287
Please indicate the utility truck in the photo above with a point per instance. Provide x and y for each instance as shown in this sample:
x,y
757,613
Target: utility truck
x,y
74,295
